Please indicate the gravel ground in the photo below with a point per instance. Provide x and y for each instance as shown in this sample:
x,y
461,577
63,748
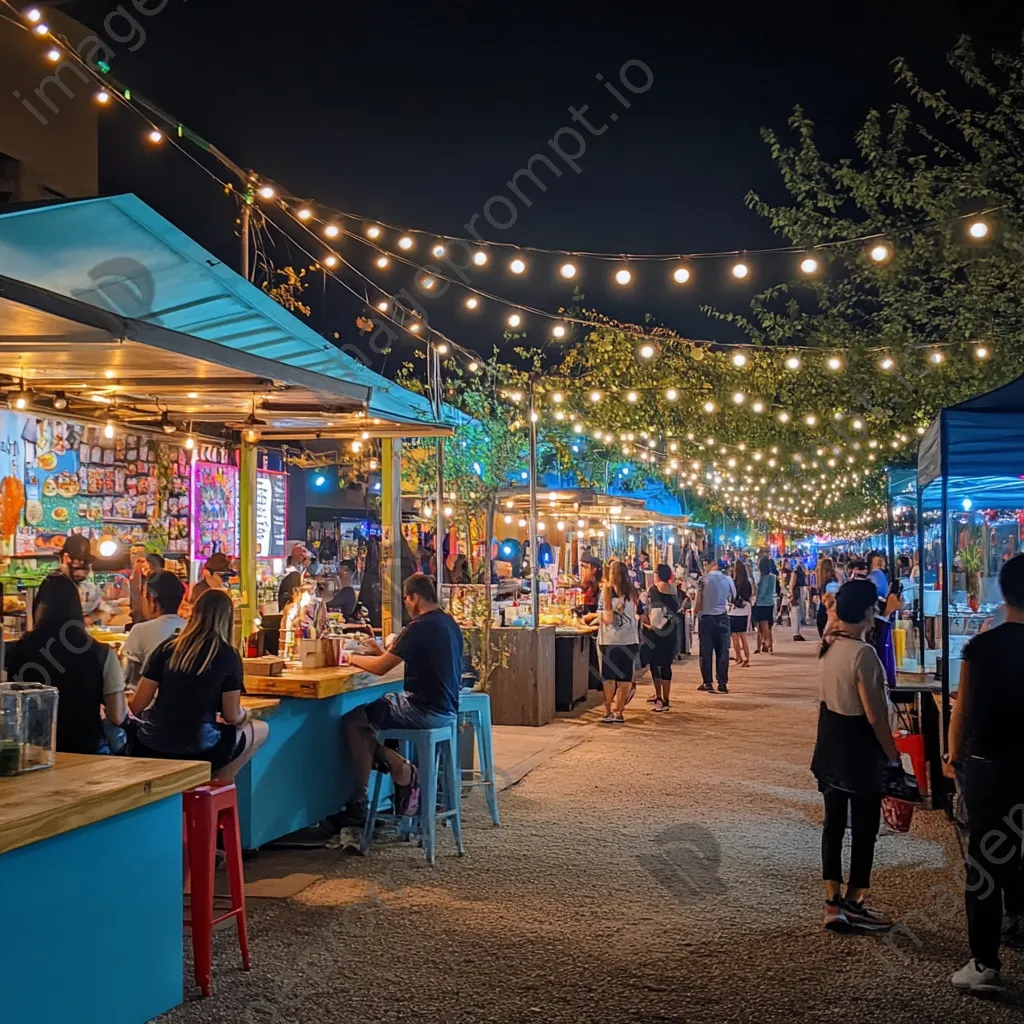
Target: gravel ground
x,y
662,870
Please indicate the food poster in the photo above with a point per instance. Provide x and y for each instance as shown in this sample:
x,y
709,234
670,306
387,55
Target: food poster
x,y
52,485
12,477
175,471
215,504
271,513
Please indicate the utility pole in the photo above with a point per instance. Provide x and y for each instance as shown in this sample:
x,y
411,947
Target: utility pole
x,y
534,553
245,222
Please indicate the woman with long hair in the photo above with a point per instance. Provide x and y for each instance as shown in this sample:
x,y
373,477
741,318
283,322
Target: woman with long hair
x,y
853,748
827,587
661,634
194,677
739,617
58,651
618,640
763,612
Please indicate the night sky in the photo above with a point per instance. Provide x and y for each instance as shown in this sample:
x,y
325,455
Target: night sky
x,y
418,113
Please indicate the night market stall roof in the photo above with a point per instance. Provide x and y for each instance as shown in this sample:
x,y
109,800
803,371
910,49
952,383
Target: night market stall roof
x,y
89,289
977,447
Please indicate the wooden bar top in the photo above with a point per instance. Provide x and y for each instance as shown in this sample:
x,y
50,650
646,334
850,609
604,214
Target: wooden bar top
x,y
260,707
81,790
318,683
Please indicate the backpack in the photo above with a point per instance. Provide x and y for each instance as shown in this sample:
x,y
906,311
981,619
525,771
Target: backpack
x,y
658,614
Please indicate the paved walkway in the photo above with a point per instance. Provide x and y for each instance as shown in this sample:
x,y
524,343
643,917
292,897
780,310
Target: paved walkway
x,y
665,870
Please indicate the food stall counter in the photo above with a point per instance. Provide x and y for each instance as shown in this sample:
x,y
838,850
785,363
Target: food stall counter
x,y
72,838
302,773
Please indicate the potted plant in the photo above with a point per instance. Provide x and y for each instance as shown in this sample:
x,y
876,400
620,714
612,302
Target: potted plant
x,y
969,558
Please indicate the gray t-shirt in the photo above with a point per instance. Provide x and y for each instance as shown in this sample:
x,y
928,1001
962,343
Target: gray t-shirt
x,y
846,663
717,591
623,629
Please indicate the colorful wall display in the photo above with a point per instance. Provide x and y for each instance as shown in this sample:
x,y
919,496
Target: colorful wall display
x,y
12,477
215,505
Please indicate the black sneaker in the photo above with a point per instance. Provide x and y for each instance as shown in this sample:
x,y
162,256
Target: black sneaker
x,y
800,639
723,688
864,919
706,687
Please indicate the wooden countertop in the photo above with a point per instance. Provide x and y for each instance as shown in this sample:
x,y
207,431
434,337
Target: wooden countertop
x,y
260,707
81,790
318,683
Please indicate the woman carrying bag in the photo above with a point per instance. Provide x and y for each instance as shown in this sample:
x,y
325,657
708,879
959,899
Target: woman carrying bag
x,y
852,756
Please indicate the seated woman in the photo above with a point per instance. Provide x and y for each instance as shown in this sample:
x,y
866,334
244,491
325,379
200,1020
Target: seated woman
x,y
194,676
58,651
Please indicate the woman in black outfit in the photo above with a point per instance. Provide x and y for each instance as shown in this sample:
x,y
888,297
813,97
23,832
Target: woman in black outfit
x,y
660,634
853,748
739,618
58,651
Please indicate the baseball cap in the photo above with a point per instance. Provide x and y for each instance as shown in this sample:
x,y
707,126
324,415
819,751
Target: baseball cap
x,y
78,547
218,562
723,564
590,559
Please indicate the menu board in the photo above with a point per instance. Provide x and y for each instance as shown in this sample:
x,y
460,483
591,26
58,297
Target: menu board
x,y
271,513
215,506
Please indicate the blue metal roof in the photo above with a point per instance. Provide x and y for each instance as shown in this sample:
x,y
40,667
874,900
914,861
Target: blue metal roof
x,y
118,254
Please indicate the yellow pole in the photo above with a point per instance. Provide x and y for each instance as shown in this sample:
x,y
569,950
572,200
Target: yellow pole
x,y
391,535
247,546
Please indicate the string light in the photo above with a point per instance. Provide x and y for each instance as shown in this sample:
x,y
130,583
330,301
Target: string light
x,y
156,137
514,320
809,265
936,358
33,14
757,407
41,28
383,305
810,419
887,364
471,302
373,231
981,352
331,261
783,416
792,363
306,214
681,275
671,394
739,359
382,262
405,242
558,331
53,55
834,363
480,257
108,429
709,407
978,229
438,251
567,270
332,231
102,97
473,366
740,271
647,351
517,266
595,396
880,253
631,396
442,349
739,398
623,276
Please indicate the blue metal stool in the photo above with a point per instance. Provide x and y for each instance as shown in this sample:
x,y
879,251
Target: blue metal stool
x,y
435,754
475,708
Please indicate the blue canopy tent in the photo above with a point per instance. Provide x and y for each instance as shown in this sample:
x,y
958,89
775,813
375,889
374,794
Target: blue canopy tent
x,y
970,482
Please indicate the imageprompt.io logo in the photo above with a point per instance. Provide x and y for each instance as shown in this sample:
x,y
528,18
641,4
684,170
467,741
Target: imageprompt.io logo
x,y
686,863
121,285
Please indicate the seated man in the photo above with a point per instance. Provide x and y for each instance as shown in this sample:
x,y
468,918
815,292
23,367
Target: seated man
x,y
431,647
345,599
162,595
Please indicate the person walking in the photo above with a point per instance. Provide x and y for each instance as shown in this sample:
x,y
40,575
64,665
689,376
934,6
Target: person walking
x,y
984,741
714,592
618,641
660,634
739,617
798,592
763,612
854,746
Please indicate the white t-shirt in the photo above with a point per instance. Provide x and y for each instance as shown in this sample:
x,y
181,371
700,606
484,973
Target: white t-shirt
x,y
145,638
624,627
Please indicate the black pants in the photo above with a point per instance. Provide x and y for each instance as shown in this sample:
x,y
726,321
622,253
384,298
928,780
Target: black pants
x,y
661,673
865,815
995,813
715,640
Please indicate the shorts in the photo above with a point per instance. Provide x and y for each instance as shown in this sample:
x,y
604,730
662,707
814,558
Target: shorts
x,y
661,673
618,662
737,623
397,711
763,613
230,746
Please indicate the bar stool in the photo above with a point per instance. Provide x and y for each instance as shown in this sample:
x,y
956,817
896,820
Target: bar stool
x,y
435,755
475,708
210,809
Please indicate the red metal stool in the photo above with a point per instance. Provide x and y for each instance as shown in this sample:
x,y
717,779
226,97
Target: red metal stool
x,y
209,809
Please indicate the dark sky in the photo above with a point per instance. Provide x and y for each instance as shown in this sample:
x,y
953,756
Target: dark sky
x,y
418,113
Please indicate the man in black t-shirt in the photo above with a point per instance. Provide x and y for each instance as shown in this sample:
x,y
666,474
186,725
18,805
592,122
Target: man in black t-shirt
x,y
984,741
431,648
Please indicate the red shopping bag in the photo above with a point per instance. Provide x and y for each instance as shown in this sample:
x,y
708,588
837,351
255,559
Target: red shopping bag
x,y
897,814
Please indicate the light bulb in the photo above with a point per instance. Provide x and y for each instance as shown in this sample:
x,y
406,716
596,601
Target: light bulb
x,y
709,407
623,276
190,442
981,352
857,424
757,407
936,357
405,242
809,265
595,396
514,320
887,364
834,363
671,394
42,29
647,351
978,229
442,349
739,359
740,271
810,419
103,97
472,302
108,429
427,283
681,275
880,253
33,14
631,397
108,548
383,305
438,251
558,397
382,262
783,416
304,214
332,231
473,366
53,55
267,192
577,428
331,261
792,363
479,257
558,331
522,523
508,520
414,328
567,270
517,266
449,511
739,398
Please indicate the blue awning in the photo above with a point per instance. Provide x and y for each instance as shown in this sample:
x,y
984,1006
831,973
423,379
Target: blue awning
x,y
118,254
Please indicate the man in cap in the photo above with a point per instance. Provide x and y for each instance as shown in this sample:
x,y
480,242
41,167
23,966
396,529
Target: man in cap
x,y
216,567
76,559
144,564
590,579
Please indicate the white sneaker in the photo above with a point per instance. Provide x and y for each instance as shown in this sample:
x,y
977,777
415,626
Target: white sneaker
x,y
974,977
608,719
